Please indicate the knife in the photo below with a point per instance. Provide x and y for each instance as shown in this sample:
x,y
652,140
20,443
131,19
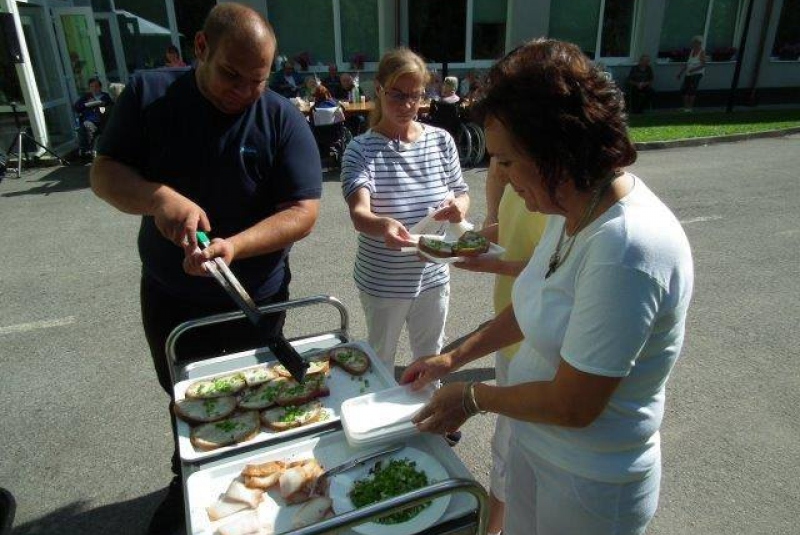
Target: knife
x,y
280,347
354,462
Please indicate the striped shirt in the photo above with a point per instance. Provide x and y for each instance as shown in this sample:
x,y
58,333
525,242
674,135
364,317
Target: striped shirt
x,y
404,181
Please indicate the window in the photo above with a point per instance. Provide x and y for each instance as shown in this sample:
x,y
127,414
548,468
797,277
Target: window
x,y
488,29
304,29
787,38
437,30
601,28
716,21
359,19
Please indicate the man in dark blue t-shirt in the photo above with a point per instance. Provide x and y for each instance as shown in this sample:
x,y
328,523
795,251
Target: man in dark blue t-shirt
x,y
210,148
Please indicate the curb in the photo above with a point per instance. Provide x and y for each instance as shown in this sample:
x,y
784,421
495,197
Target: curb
x,y
700,141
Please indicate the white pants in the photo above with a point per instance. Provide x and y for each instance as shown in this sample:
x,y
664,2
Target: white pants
x,y
425,317
502,435
543,499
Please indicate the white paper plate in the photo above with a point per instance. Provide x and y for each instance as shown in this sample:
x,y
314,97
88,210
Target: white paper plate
x,y
342,483
495,251
384,414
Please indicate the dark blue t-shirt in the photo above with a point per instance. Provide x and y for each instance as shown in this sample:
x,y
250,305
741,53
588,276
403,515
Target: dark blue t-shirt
x,y
238,168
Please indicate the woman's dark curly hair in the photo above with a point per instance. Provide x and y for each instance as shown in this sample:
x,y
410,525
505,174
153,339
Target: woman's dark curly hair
x,y
560,110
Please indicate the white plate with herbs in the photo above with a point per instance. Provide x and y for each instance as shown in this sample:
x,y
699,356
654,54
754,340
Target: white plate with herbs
x,y
371,482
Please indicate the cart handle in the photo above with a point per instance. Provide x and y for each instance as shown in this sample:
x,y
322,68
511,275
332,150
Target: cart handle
x,y
415,497
181,329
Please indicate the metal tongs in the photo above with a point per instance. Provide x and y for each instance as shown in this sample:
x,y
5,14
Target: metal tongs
x,y
350,464
280,347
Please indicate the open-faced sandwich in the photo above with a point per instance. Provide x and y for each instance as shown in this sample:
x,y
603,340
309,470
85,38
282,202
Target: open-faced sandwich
x,y
469,244
236,428
205,410
216,387
351,359
283,418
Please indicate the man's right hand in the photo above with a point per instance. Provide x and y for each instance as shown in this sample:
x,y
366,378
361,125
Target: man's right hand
x,y
178,218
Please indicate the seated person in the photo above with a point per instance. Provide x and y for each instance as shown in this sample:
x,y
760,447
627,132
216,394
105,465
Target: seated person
x,y
434,88
327,109
91,109
172,57
640,85
449,87
468,86
332,81
310,84
286,82
347,85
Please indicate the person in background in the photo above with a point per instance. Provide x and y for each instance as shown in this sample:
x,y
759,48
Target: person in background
x,y
392,175
468,86
640,84
517,230
287,82
449,87
693,69
92,109
189,150
332,81
327,110
310,84
600,308
433,89
172,57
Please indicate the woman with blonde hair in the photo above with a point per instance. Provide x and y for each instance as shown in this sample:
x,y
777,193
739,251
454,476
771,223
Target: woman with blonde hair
x,y
392,176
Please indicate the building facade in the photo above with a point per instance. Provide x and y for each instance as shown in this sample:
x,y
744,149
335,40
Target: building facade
x,y
63,43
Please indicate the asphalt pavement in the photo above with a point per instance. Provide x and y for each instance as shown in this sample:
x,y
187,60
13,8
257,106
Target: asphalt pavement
x,y
84,432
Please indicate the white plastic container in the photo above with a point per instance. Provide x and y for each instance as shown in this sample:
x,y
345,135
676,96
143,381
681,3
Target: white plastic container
x,y
384,416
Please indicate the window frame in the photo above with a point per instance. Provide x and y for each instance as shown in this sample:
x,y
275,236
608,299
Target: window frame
x,y
738,28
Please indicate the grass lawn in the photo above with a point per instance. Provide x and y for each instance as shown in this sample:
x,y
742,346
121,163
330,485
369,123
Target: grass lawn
x,y
666,126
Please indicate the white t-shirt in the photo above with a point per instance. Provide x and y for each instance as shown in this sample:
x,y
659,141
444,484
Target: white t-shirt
x,y
616,307
404,180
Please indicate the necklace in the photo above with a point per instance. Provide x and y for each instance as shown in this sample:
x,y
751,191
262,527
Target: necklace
x,y
556,260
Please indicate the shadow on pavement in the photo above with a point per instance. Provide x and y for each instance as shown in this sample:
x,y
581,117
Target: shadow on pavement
x,y
45,182
121,518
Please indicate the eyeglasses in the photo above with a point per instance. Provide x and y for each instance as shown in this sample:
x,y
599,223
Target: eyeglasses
x,y
401,98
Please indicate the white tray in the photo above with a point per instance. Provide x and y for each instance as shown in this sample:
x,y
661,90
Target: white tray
x,y
208,482
342,386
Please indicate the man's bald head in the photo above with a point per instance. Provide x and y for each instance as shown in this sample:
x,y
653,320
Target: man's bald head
x,y
238,23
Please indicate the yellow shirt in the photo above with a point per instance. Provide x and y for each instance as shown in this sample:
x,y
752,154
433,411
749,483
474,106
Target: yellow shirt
x,y
519,232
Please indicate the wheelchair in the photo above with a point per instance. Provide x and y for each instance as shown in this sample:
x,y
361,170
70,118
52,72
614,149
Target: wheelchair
x,y
469,137
332,136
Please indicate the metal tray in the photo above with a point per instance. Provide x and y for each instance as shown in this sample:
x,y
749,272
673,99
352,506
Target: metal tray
x,y
204,484
341,384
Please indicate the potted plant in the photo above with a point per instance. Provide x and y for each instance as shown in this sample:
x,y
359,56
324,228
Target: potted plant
x,y
789,51
723,53
680,55
358,61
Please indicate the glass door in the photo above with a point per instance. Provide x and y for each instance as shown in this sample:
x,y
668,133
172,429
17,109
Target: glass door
x,y
80,48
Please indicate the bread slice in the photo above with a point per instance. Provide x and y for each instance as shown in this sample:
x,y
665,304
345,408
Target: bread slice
x,y
316,365
263,396
205,410
283,418
238,428
435,247
351,359
471,244
216,387
296,394
259,375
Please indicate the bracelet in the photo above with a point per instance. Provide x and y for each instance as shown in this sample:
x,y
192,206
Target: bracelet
x,y
465,401
474,401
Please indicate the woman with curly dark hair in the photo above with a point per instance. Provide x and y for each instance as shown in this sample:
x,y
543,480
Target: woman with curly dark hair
x,y
600,308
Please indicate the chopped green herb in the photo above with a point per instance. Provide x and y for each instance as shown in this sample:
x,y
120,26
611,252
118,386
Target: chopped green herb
x,y
397,477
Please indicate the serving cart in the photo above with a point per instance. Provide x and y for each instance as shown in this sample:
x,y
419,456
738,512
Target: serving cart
x,y
461,500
